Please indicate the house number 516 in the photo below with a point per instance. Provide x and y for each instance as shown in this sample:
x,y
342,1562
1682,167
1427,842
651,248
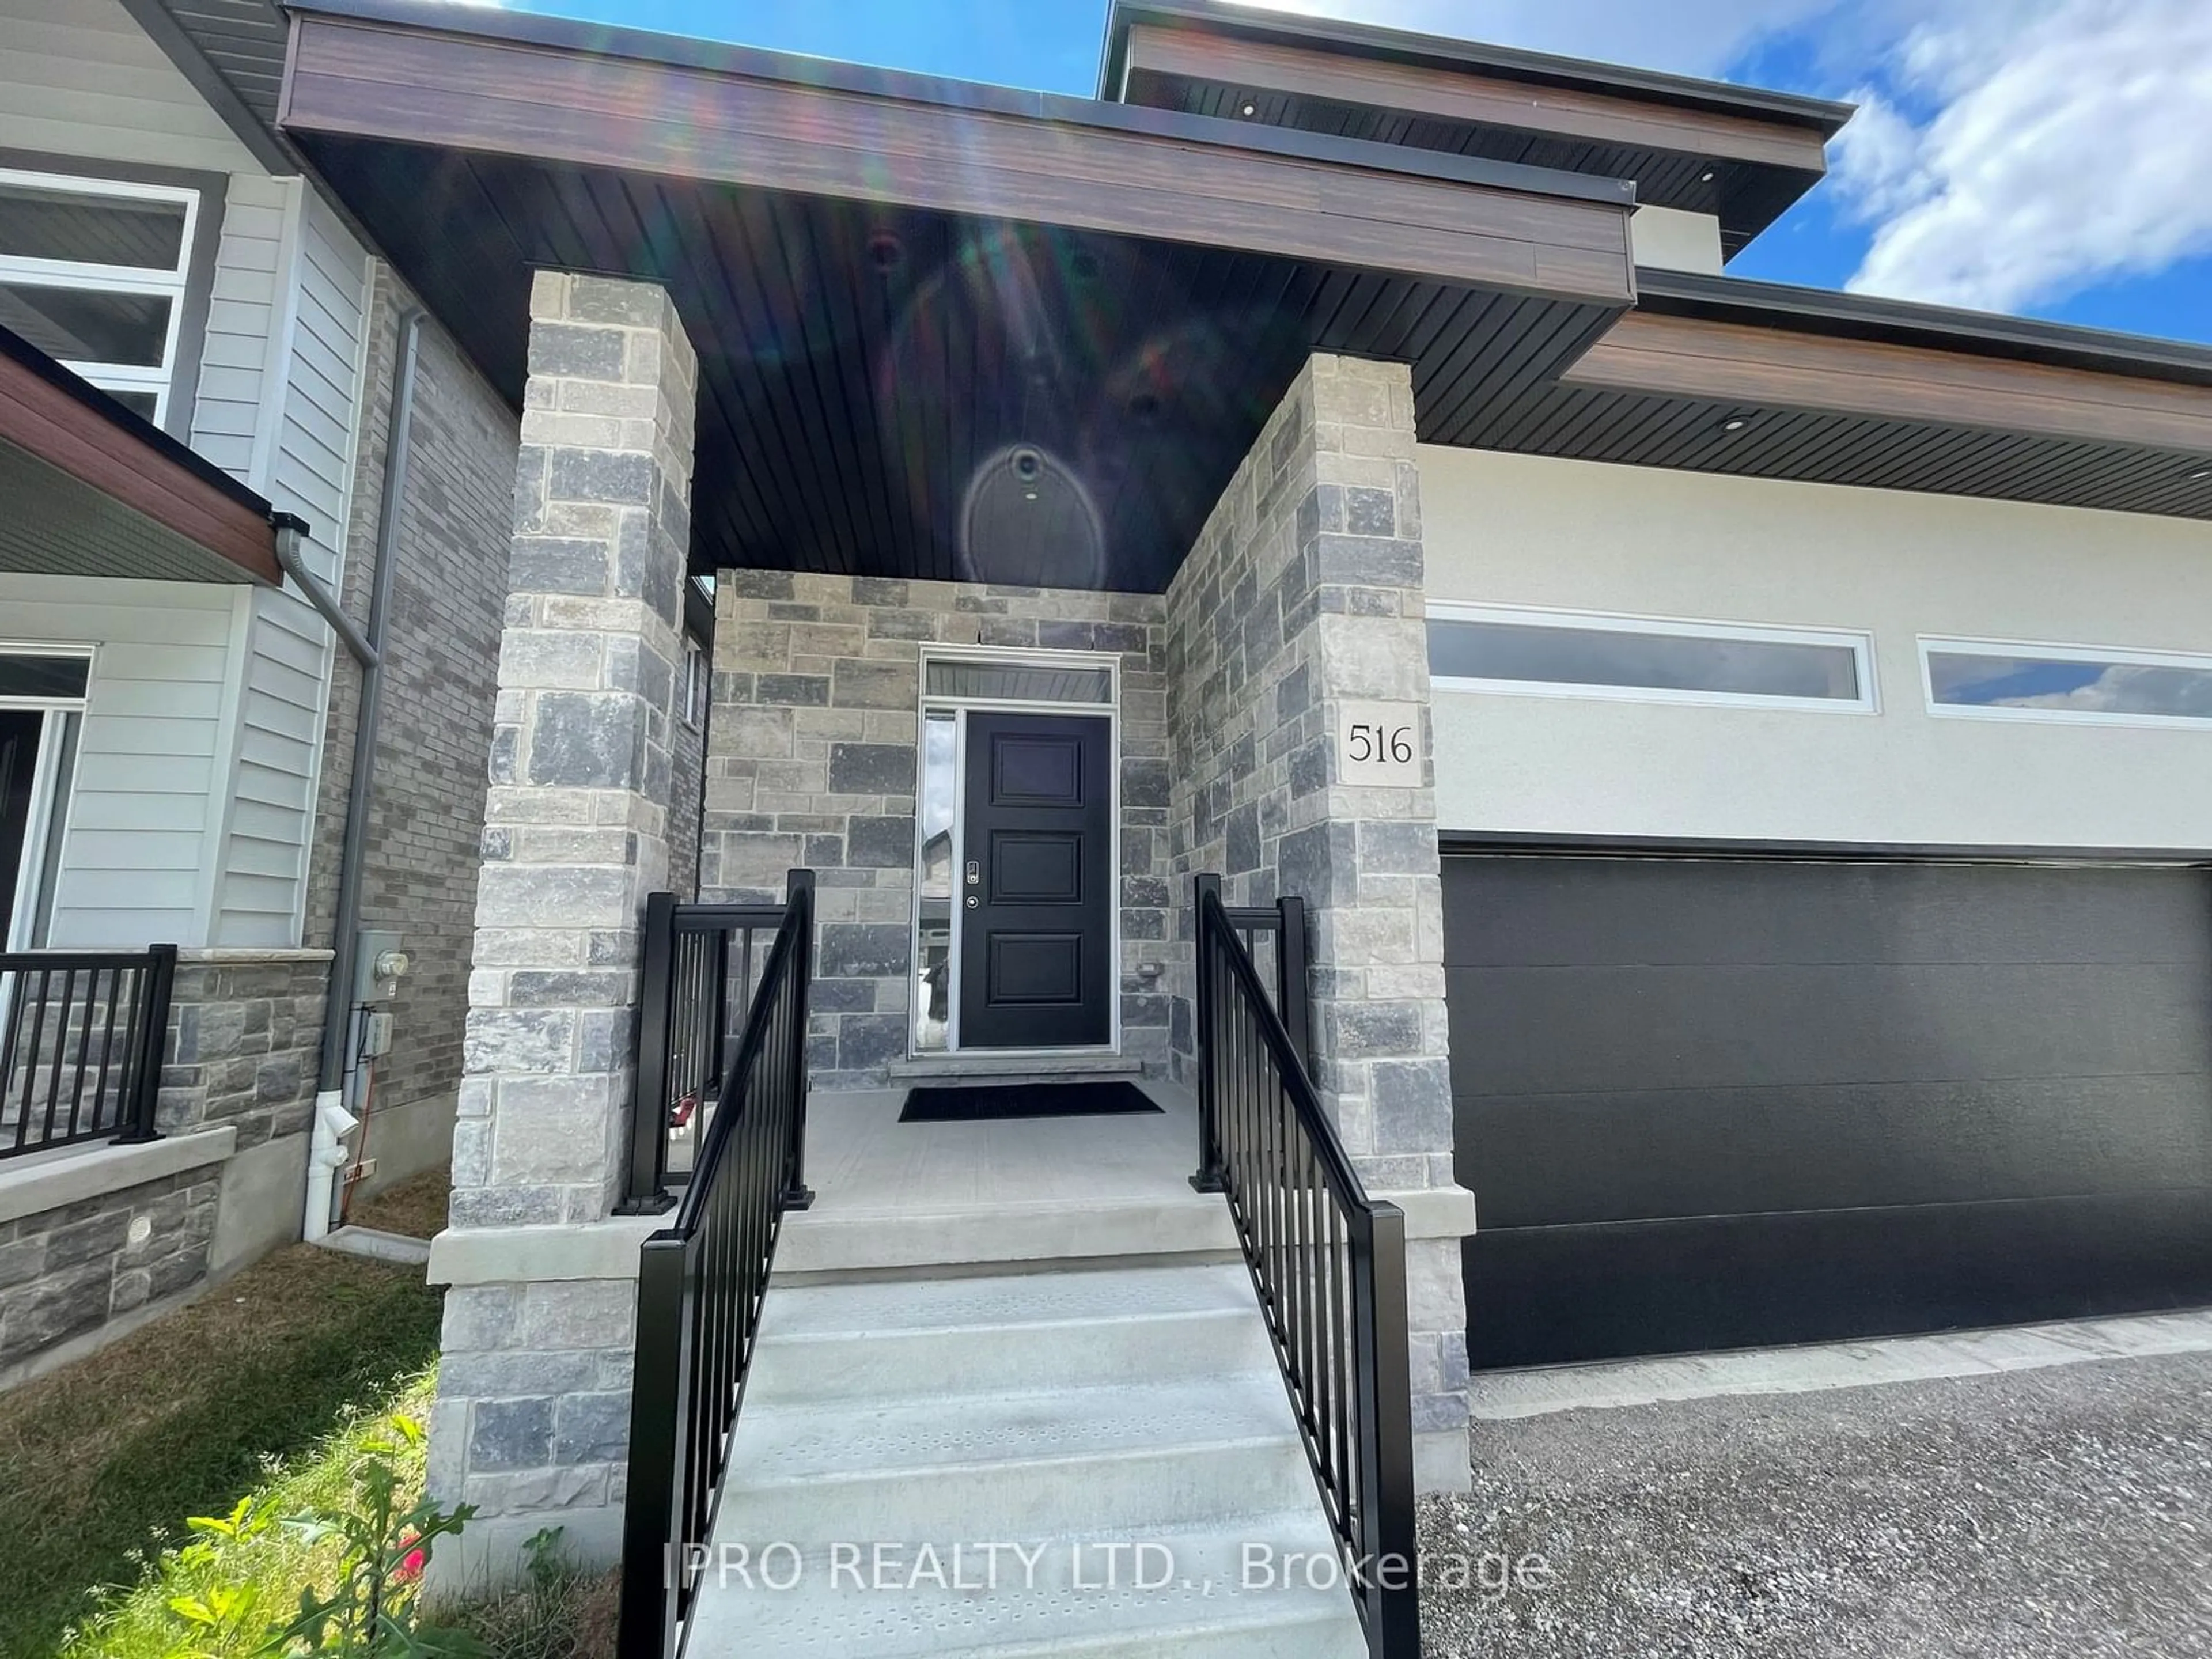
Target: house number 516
x,y
1378,744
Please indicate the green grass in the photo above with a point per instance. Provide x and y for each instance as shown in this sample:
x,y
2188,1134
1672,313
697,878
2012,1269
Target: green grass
x,y
267,1382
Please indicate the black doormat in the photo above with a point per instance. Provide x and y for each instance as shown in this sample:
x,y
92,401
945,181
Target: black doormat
x,y
968,1103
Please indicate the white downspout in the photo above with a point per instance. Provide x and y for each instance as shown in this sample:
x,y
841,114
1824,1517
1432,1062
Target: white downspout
x,y
326,1156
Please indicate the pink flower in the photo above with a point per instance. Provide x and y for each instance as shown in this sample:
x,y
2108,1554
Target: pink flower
x,y
411,1565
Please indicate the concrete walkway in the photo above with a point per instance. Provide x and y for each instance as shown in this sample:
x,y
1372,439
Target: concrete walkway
x,y
1984,1495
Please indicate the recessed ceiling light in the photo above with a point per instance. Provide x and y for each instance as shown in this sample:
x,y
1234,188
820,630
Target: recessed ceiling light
x,y
1734,423
1249,109
2200,475
1706,177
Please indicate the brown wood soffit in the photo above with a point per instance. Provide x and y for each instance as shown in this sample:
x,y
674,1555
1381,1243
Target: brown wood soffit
x,y
471,93
1654,355
75,436
1462,95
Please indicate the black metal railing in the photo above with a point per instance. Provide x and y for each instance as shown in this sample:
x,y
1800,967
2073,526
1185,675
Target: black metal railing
x,y
82,1035
1328,1264
1274,937
700,1280
701,963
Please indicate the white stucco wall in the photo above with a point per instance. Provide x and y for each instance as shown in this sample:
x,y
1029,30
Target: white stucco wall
x,y
1504,529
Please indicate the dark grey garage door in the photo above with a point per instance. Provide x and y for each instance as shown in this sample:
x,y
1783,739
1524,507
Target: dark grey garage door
x,y
1721,1102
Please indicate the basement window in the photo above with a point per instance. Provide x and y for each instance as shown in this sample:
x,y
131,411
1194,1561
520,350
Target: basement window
x,y
92,273
1647,658
1987,679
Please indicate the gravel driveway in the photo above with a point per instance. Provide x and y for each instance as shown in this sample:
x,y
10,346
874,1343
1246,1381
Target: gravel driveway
x,y
2065,1511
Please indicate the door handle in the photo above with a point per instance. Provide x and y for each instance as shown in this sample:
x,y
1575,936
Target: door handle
x,y
975,871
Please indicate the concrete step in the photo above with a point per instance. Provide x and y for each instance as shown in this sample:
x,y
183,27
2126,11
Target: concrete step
x,y
1047,1235
895,1427
1208,1592
1008,1333
1063,1461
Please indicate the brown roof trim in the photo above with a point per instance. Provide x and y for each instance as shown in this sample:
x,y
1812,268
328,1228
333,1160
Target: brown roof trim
x,y
1237,60
1906,322
50,413
1761,365
519,87
1820,115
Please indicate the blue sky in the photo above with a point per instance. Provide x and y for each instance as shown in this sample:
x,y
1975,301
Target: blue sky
x,y
2042,157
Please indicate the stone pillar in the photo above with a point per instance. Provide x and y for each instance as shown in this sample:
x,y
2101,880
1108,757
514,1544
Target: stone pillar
x,y
534,1391
1304,594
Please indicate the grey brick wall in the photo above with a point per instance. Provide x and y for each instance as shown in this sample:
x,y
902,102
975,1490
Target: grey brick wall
x,y
1305,589
67,1271
812,760
426,813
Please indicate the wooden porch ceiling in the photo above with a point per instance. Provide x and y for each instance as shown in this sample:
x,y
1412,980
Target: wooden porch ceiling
x,y
944,331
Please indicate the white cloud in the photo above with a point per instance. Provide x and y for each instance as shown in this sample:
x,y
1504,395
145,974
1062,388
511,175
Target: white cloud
x,y
1689,37
2063,142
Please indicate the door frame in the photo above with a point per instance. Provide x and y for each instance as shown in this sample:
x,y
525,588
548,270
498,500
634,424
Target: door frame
x,y
49,815
1110,712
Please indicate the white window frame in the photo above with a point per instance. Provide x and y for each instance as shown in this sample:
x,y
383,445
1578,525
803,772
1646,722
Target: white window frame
x,y
1858,642
23,272
695,684
2109,656
49,815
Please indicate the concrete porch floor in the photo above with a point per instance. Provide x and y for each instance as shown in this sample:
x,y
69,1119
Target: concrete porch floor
x,y
893,1195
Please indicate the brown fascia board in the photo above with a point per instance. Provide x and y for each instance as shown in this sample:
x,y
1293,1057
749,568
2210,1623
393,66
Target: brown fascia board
x,y
2028,379
537,88
1454,94
49,413
1347,40
1910,322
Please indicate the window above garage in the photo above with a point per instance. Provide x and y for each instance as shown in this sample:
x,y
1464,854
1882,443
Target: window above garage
x,y
1647,658
1994,679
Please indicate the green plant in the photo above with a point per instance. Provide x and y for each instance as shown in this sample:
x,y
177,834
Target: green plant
x,y
382,1543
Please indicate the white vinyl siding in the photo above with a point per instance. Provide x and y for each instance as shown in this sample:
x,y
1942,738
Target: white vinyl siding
x,y
237,360
79,77
143,811
303,447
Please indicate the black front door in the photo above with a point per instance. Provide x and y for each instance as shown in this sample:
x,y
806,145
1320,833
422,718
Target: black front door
x,y
1035,883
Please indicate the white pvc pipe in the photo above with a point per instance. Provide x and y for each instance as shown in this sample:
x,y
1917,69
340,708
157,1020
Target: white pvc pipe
x,y
326,1156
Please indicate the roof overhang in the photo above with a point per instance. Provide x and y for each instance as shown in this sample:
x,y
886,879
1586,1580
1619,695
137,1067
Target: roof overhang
x,y
893,279
1718,374
89,488
1741,154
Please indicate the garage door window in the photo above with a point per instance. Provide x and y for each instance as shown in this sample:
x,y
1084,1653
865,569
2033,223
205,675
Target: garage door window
x,y
1993,680
1559,653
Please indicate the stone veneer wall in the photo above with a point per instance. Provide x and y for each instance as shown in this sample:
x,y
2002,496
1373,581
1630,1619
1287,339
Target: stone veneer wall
x,y
441,657
245,1029
533,1391
811,760
1304,589
66,1272
239,1055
